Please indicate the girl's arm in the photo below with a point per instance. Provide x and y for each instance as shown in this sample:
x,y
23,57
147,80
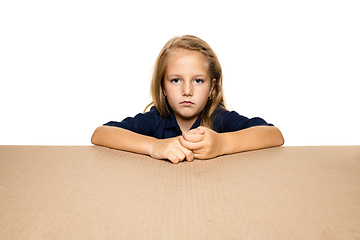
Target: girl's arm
x,y
122,139
206,143
252,138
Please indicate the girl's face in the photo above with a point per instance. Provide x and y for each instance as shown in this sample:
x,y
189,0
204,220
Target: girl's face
x,y
187,85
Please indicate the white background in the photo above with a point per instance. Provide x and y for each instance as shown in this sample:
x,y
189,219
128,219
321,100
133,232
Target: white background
x,y
69,66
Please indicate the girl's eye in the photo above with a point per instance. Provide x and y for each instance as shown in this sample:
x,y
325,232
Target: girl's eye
x,y
198,80
175,80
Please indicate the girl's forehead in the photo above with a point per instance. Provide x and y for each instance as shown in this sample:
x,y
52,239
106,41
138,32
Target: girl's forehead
x,y
179,53
183,51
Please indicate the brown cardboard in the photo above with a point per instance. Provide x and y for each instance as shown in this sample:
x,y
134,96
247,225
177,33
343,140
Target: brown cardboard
x,y
88,192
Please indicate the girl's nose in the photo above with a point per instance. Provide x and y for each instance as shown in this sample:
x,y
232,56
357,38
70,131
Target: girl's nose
x,y
187,89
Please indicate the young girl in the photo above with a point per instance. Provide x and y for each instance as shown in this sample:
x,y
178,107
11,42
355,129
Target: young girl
x,y
188,118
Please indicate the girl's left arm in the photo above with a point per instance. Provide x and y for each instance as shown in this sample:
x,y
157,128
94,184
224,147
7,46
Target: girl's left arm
x,y
206,143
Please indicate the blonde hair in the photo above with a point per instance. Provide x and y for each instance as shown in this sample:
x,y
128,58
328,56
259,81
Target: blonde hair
x,y
192,43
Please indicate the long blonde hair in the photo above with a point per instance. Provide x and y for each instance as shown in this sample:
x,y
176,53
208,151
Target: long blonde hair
x,y
192,43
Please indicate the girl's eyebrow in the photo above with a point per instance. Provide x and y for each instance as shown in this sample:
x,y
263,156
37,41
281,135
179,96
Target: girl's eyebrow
x,y
200,75
173,75
178,75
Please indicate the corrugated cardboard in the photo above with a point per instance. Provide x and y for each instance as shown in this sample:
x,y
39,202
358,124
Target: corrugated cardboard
x,y
88,192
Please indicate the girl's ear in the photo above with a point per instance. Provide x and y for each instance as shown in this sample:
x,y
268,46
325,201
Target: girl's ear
x,y
212,86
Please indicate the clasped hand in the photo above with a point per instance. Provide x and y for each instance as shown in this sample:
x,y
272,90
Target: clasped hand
x,y
201,143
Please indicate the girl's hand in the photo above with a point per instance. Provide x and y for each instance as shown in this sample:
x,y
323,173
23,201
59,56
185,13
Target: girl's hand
x,y
171,149
204,142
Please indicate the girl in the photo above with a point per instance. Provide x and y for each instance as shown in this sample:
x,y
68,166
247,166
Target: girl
x,y
188,118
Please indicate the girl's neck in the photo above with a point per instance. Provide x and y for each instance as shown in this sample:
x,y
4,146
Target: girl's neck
x,y
184,124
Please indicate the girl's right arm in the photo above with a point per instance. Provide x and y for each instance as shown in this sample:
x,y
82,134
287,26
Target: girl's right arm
x,y
122,139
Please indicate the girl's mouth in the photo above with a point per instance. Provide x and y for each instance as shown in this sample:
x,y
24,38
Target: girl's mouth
x,y
187,103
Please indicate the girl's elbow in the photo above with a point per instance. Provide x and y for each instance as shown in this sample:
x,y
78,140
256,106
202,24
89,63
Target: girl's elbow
x,y
279,138
95,139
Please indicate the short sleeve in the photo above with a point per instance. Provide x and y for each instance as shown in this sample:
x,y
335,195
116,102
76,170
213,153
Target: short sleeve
x,y
142,123
231,121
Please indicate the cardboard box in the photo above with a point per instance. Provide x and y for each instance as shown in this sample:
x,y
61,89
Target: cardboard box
x,y
89,192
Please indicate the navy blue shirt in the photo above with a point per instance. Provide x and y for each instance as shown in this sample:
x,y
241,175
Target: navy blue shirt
x,y
154,125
